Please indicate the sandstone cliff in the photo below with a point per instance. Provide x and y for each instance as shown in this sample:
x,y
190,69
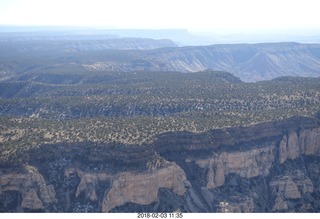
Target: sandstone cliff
x,y
272,167
35,193
295,144
257,162
143,188
88,182
246,164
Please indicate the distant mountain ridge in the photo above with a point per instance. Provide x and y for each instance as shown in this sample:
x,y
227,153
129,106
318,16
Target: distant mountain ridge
x,y
249,62
84,43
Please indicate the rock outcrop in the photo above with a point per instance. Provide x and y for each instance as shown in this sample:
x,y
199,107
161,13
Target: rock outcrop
x,y
295,144
31,200
286,187
143,188
246,164
36,194
244,205
279,204
88,182
257,162
271,167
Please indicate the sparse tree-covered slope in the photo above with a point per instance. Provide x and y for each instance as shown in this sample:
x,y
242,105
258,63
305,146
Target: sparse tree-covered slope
x,y
133,108
82,124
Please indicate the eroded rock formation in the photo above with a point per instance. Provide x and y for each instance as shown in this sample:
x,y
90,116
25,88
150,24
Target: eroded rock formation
x,y
143,188
246,164
293,145
35,192
272,167
88,182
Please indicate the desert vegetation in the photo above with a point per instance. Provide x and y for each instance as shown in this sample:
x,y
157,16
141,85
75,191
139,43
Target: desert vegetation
x,y
134,107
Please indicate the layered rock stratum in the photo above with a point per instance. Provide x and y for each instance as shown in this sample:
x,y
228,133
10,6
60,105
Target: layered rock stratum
x,y
250,62
269,167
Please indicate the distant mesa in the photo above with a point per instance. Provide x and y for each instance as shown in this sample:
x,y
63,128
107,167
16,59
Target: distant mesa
x,y
249,62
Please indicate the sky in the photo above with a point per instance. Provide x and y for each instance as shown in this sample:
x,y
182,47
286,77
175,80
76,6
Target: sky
x,y
194,15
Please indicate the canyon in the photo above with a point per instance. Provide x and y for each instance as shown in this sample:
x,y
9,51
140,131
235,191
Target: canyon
x,y
268,167
249,62
101,123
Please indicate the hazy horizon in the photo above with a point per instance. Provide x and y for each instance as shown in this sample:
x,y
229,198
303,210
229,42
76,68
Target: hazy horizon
x,y
199,22
201,16
182,37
